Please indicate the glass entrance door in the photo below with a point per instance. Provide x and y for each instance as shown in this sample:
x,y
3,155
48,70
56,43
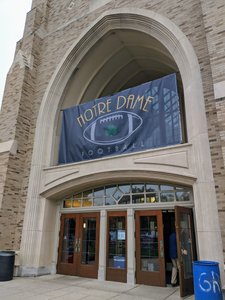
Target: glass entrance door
x,y
116,269
66,260
186,248
78,245
150,262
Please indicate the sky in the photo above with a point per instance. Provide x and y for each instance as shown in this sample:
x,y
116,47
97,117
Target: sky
x,y
12,21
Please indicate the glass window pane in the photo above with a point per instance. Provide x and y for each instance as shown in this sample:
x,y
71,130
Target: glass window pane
x,y
138,188
166,187
149,244
117,243
87,202
88,194
109,201
183,196
76,203
118,194
167,197
100,192
186,247
125,188
67,203
77,196
138,198
109,190
88,241
150,265
124,194
68,241
180,188
125,199
152,198
98,201
152,187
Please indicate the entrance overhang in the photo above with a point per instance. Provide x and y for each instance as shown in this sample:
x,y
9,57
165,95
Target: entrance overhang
x,y
173,164
58,191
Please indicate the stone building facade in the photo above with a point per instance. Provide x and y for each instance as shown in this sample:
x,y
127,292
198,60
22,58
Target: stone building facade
x,y
76,51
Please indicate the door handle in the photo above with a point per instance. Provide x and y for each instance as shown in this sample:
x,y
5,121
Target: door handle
x,y
161,249
75,245
78,245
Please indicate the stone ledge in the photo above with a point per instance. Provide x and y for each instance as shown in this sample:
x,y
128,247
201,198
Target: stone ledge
x,y
9,146
219,89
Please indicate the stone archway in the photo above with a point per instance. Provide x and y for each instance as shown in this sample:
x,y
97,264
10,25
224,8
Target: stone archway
x,y
179,47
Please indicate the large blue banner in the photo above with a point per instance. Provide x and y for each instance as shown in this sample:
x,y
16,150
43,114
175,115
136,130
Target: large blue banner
x,y
140,118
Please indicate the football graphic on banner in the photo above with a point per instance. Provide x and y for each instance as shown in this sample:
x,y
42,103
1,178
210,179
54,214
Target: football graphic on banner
x,y
114,128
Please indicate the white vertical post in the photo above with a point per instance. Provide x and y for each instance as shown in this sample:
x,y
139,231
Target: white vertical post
x,y
102,246
130,247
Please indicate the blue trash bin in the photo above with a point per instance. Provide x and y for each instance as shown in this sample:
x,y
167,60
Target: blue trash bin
x,y
207,284
7,259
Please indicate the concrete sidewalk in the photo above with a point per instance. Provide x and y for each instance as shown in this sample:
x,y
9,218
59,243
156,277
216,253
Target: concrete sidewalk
x,y
62,287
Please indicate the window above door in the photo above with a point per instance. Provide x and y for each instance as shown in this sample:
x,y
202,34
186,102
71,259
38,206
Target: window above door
x,y
128,193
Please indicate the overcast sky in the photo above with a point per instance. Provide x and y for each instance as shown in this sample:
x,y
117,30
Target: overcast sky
x,y
12,21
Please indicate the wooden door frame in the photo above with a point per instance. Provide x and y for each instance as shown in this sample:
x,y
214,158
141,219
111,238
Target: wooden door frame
x,y
186,285
114,274
151,278
76,268
88,271
65,268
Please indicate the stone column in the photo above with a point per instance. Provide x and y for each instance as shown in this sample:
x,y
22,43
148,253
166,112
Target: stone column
x,y
130,247
102,246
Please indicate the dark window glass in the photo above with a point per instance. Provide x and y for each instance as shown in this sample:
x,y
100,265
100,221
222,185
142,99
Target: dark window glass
x,y
77,196
167,197
183,196
149,244
88,194
125,199
68,241
152,187
88,241
138,188
166,187
117,243
138,198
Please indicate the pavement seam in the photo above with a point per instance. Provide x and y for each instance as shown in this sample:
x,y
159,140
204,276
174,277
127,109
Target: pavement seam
x,y
167,297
